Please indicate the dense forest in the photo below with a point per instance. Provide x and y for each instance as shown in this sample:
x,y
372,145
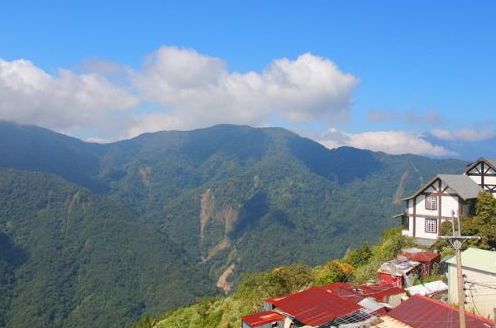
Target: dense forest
x,y
358,265
102,235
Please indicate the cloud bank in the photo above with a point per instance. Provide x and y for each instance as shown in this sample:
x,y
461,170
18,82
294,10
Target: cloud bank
x,y
175,88
62,101
392,142
197,90
178,88
464,134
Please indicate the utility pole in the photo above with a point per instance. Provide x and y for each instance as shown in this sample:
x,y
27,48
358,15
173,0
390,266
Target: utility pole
x,y
456,241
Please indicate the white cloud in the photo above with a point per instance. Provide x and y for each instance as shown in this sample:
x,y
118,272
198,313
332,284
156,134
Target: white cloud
x,y
392,142
464,134
65,101
184,88
197,90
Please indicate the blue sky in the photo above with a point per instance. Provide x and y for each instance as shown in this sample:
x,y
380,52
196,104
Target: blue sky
x,y
395,76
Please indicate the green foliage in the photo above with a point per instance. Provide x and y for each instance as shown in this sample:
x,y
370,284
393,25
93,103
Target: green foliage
x,y
150,223
483,224
388,248
279,281
330,272
486,207
255,287
358,256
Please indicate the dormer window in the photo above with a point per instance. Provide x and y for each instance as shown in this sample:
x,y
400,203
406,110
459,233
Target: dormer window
x,y
430,202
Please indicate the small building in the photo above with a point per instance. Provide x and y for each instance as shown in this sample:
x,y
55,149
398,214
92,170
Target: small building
x,y
423,312
479,269
426,259
444,197
398,272
265,319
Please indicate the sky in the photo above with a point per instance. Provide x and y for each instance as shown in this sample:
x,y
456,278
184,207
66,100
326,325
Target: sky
x,y
395,76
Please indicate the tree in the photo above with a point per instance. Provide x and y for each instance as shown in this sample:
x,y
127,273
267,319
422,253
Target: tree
x,y
358,256
486,207
332,271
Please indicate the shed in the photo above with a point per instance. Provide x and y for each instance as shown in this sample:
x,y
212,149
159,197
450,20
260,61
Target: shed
x,y
425,258
398,272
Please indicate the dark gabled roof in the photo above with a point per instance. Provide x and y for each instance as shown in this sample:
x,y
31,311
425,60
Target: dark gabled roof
x,y
464,186
490,162
422,312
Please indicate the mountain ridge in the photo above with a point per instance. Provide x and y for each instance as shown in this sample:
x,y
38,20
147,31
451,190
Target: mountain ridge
x,y
181,209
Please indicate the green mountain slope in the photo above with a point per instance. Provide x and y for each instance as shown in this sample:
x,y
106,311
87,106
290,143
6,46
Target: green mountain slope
x,y
165,217
81,259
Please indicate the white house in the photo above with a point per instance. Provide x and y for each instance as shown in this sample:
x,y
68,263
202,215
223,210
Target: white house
x,y
479,269
446,196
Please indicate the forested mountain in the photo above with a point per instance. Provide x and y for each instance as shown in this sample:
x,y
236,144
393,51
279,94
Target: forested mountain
x,y
97,235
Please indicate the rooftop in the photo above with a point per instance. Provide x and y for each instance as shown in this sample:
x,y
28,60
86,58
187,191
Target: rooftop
x,y
429,288
477,258
422,312
262,318
314,306
464,186
422,256
398,267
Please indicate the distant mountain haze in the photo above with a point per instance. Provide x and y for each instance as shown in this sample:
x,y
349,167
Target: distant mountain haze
x,y
97,235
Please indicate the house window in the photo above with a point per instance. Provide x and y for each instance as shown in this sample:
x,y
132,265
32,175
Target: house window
x,y
431,225
430,202
405,222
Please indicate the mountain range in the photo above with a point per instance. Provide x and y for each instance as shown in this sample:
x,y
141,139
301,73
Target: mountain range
x,y
98,235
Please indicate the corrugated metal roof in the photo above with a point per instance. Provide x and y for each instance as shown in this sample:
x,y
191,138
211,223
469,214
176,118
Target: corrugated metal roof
x,y
422,312
422,256
477,258
398,267
314,306
388,322
464,186
358,293
428,288
262,318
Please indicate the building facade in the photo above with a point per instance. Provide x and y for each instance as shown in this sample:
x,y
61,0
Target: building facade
x,y
479,270
446,197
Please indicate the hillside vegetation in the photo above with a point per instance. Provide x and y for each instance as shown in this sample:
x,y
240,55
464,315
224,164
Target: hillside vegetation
x,y
101,235
357,265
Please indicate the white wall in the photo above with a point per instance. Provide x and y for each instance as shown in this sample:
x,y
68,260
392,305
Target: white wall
x,y
480,299
448,204
476,179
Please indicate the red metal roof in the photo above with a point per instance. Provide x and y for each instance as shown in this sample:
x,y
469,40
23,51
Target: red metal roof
x,y
314,306
422,256
358,293
262,318
422,312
